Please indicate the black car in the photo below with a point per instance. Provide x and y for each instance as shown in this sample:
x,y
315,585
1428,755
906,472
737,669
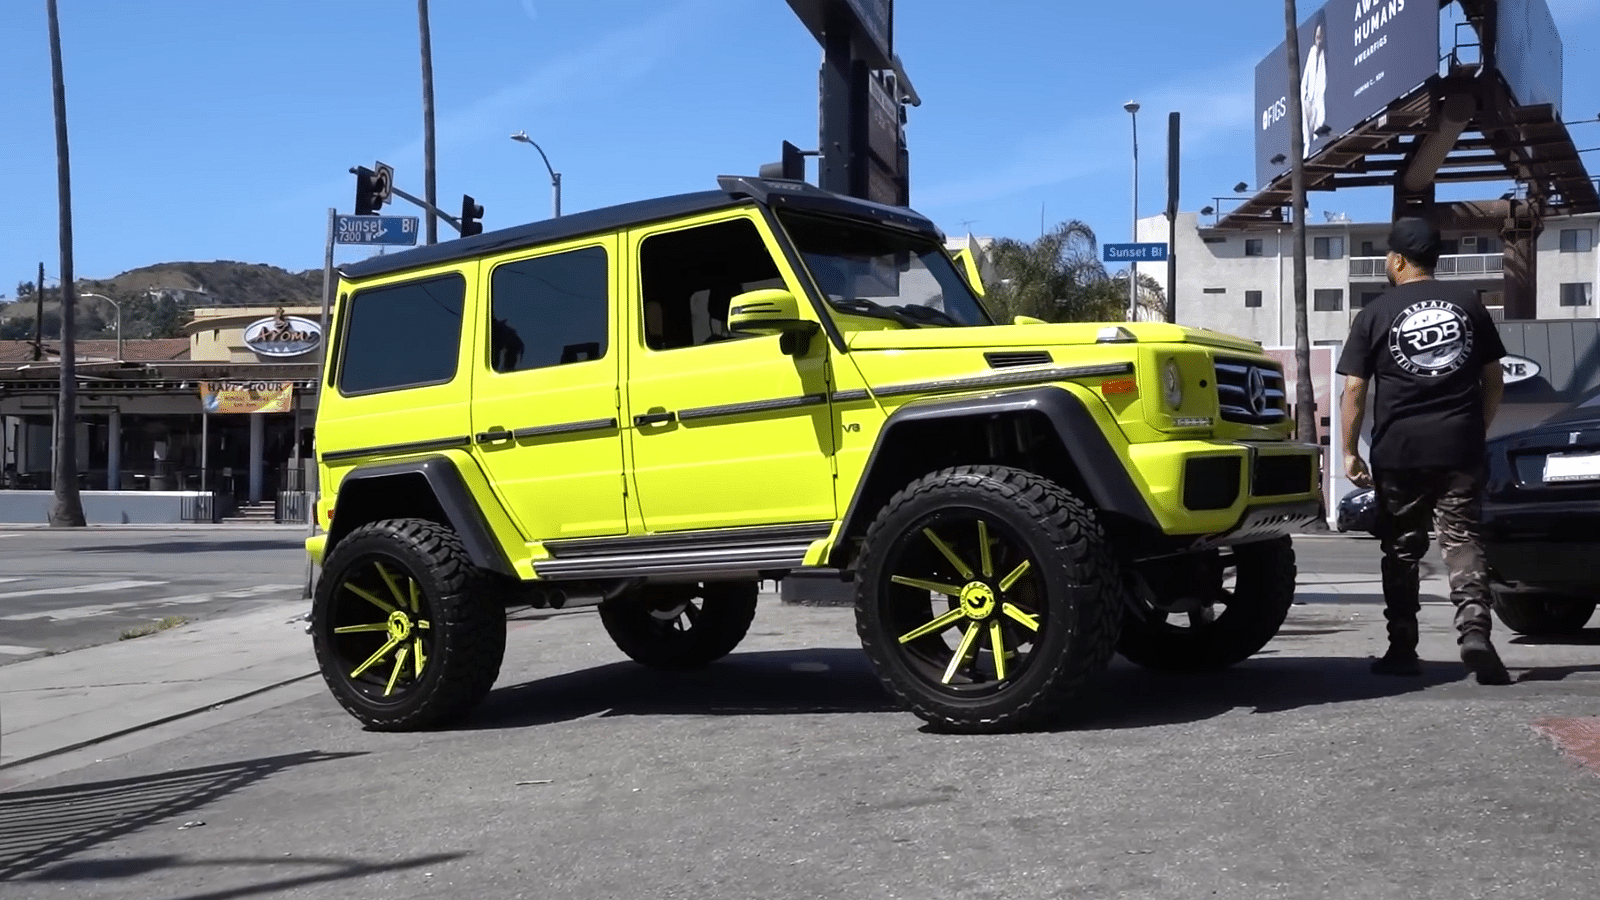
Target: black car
x,y
1358,511
1541,517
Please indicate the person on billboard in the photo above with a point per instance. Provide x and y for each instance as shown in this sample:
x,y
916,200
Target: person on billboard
x,y
1314,82
1432,355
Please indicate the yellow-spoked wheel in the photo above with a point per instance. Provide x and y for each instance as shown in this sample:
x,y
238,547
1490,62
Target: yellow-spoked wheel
x,y
986,598
406,633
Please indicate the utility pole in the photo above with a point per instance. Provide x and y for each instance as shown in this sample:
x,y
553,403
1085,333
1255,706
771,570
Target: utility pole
x,y
428,161
38,317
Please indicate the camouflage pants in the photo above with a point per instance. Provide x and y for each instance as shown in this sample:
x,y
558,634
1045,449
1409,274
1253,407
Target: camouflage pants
x,y
1409,502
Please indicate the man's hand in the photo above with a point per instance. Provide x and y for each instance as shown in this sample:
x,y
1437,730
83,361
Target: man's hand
x,y
1356,469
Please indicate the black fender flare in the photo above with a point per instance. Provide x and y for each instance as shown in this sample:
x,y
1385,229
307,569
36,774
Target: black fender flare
x,y
1107,481
372,488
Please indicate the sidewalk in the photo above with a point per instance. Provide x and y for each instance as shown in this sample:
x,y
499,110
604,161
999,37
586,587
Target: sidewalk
x,y
80,704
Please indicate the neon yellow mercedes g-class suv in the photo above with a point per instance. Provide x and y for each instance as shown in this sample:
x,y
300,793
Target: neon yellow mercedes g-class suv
x,y
653,407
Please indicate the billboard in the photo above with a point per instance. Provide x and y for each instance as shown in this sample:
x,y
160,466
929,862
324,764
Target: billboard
x,y
1528,52
1355,57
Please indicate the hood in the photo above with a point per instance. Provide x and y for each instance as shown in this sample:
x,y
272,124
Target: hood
x,y
1042,334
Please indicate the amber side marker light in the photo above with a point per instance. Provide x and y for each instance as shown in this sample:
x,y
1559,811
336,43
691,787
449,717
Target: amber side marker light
x,y
1119,386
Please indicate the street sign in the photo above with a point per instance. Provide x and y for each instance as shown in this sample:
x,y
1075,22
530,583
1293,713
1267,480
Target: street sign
x,y
375,230
1135,253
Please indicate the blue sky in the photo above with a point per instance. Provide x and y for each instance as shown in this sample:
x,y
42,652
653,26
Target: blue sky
x,y
204,130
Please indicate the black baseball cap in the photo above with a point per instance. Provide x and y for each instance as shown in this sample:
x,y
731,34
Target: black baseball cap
x,y
1415,239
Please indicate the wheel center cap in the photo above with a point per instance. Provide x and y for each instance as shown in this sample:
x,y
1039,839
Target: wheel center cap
x,y
399,626
977,600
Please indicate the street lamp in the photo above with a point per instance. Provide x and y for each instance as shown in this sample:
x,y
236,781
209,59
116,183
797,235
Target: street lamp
x,y
119,317
555,177
1132,107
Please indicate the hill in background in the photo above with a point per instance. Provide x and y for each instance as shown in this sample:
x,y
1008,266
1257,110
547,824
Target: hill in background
x,y
157,301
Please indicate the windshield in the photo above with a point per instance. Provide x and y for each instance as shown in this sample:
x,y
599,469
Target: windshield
x,y
868,270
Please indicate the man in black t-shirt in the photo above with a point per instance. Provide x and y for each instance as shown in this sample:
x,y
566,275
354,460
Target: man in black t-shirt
x,y
1432,355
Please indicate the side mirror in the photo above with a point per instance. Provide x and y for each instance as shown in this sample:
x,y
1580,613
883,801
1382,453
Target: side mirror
x,y
772,311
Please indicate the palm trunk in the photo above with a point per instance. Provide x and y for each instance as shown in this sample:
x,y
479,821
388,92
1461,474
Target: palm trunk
x,y
67,510
428,162
1305,401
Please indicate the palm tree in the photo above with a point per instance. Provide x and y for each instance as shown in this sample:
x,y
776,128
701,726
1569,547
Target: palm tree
x,y
1305,400
67,510
428,166
1060,278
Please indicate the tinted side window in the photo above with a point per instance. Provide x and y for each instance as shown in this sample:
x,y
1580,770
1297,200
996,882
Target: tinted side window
x,y
549,311
687,278
402,335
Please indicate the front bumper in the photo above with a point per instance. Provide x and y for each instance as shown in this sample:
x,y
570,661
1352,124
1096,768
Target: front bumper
x,y
1230,491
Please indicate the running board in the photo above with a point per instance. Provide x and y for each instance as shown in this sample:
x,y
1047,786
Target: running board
x,y
721,552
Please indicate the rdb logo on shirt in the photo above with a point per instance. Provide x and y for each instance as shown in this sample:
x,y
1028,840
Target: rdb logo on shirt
x,y
1433,337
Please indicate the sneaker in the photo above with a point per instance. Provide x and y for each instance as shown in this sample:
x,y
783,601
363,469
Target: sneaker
x,y
1479,656
1398,661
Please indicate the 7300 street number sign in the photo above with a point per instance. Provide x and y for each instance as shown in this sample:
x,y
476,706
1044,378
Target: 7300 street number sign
x,y
375,230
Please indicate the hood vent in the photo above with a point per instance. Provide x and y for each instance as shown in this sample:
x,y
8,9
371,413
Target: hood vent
x,y
1010,359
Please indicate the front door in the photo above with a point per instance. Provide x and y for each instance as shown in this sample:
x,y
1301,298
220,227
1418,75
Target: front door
x,y
725,430
544,411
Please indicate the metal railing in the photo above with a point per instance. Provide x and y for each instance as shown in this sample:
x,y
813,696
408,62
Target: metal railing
x,y
199,507
1459,264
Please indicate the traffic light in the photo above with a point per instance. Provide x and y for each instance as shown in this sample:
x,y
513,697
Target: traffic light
x,y
471,213
792,168
372,188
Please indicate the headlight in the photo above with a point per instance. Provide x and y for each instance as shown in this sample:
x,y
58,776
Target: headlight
x,y
1172,384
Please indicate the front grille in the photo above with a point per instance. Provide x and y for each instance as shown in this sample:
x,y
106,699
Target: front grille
x,y
1005,359
1278,475
1211,482
1251,393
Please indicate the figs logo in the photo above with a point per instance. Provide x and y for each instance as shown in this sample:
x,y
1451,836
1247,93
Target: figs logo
x,y
283,335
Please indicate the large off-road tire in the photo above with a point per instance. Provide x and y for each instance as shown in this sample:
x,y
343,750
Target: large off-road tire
x,y
392,590
987,599
687,626
1541,613
1223,626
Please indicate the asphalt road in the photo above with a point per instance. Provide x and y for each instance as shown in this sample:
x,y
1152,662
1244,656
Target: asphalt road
x,y
65,589
783,772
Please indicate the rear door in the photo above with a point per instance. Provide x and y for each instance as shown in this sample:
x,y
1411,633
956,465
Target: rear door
x,y
544,409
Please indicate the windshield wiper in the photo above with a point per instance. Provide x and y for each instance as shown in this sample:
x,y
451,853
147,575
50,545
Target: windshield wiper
x,y
924,315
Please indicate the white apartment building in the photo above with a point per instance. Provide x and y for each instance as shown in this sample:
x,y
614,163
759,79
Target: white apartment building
x,y
1243,282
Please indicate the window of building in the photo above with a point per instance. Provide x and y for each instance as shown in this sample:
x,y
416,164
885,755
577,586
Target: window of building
x,y
1253,247
549,310
1576,293
1367,297
1328,299
1577,240
1213,239
402,335
688,277
1214,290
1368,248
1328,248
1252,299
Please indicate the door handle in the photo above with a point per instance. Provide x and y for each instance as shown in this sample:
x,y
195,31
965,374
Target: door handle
x,y
655,418
492,435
